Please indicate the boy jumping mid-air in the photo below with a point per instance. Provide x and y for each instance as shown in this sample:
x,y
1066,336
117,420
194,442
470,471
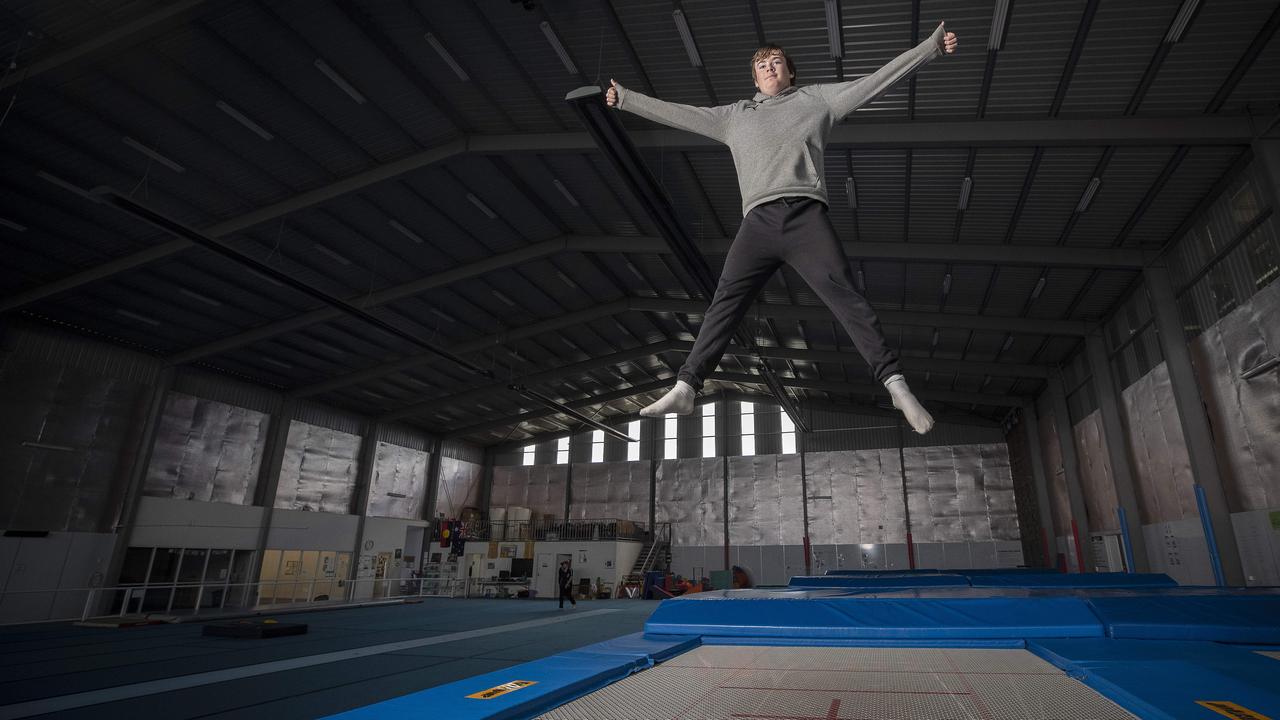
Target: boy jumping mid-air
x,y
777,140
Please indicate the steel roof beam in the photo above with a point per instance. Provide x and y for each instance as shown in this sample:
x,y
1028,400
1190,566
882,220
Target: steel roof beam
x,y
1053,132
137,29
951,396
1026,326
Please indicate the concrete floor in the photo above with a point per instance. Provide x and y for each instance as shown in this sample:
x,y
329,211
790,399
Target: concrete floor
x,y
39,664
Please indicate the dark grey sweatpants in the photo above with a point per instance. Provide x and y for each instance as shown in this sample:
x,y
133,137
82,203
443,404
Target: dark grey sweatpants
x,y
795,231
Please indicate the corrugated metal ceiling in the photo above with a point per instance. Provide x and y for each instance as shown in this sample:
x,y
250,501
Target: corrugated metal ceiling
x,y
323,199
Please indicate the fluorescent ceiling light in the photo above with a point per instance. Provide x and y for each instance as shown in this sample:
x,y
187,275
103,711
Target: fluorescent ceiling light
x,y
851,192
337,257
503,298
340,81
202,298
277,363
395,224
552,38
448,59
934,342
47,446
862,280
245,121
483,208
686,36
153,155
375,395
835,33
1008,343
327,347
1181,21
1039,287
443,315
568,343
634,270
13,225
69,187
140,318
999,21
946,284
1087,197
268,278
966,187
567,280
565,192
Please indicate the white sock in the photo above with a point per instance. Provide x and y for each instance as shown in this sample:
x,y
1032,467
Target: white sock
x,y
678,400
919,418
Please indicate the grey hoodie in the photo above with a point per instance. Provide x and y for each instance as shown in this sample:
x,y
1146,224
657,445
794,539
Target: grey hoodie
x,y
778,141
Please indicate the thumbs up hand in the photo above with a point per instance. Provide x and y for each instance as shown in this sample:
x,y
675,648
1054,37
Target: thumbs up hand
x,y
611,97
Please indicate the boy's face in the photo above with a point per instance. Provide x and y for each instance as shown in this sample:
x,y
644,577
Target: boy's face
x,y
771,74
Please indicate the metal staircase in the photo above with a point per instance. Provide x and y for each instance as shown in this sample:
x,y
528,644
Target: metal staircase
x,y
655,554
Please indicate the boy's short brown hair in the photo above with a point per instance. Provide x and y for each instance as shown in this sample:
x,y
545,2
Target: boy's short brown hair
x,y
768,51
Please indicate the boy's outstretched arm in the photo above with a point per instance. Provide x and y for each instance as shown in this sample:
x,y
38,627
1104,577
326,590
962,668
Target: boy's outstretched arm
x,y
709,122
846,97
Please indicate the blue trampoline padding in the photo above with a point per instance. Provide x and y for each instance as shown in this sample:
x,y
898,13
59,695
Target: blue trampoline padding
x,y
878,618
937,571
1074,580
879,581
832,642
557,679
1224,618
915,571
1164,679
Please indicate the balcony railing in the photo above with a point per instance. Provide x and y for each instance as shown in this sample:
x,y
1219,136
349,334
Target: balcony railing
x,y
553,530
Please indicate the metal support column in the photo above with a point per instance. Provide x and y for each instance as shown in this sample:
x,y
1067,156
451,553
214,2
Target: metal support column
x,y
801,442
369,435
1078,534
1031,425
1267,152
433,480
1117,445
1191,414
137,475
264,494
724,465
652,425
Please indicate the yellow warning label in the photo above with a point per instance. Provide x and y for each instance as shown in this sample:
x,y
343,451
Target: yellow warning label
x,y
514,685
1232,710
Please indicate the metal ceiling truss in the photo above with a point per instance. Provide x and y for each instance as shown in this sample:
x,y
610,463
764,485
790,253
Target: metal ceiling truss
x,y
930,252
1191,131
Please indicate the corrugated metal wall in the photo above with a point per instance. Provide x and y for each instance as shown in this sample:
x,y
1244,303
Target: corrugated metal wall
x,y
225,390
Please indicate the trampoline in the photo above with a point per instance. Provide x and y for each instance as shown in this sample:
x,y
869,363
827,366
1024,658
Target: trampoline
x,y
995,646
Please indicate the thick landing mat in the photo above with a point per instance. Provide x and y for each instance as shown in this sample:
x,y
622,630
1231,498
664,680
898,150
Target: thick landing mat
x,y
877,618
1245,618
1163,680
524,690
1074,580
885,580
